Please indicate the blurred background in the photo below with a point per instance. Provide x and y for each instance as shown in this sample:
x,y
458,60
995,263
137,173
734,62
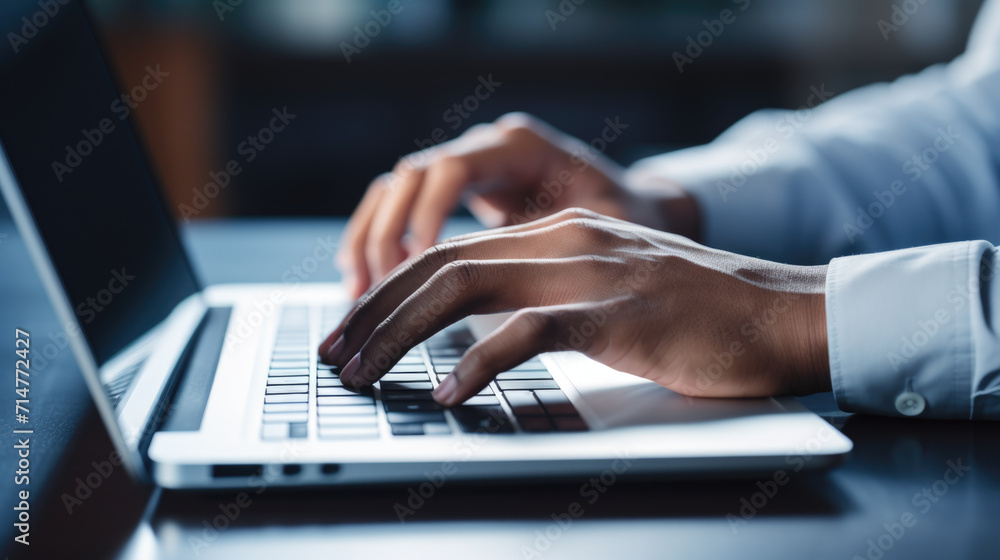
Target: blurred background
x,y
368,85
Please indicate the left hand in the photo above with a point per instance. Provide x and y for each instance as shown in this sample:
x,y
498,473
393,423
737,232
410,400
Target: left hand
x,y
698,321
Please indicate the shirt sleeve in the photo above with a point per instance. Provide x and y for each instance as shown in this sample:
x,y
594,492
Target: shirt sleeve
x,y
907,172
914,332
910,163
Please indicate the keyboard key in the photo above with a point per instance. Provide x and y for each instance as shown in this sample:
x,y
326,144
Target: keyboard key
x,y
286,407
333,382
556,402
328,374
406,395
445,361
408,368
406,386
507,375
411,406
298,364
412,417
348,410
352,400
298,430
348,432
407,429
289,356
287,372
436,429
445,352
403,377
444,368
296,398
530,365
482,400
527,384
285,389
535,423
344,399
288,417
569,423
296,380
348,420
329,392
487,419
523,402
274,431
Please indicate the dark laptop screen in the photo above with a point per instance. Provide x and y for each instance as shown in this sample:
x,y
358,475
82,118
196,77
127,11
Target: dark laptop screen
x,y
65,130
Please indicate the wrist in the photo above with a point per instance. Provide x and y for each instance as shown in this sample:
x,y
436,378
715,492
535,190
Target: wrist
x,y
809,370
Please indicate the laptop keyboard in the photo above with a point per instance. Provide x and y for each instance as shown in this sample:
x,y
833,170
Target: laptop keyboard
x,y
403,395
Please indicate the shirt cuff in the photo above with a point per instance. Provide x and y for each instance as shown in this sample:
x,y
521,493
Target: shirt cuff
x,y
903,329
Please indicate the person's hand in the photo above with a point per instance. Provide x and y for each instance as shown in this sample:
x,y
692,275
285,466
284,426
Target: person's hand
x,y
696,320
514,170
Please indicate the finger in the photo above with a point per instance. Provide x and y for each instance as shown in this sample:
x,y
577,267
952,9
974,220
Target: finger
x,y
385,298
507,160
459,289
384,249
541,223
351,256
527,333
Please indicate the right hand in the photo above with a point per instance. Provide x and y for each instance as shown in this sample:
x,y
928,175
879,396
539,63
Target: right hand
x,y
514,170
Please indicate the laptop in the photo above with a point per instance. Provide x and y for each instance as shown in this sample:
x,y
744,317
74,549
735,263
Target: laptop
x,y
219,386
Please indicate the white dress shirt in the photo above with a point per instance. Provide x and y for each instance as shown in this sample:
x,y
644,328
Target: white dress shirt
x,y
911,169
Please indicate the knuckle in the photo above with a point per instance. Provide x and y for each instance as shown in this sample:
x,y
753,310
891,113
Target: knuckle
x,y
580,213
544,323
437,256
460,274
454,166
590,229
517,119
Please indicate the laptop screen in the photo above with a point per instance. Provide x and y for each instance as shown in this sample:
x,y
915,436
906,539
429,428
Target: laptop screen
x,y
66,131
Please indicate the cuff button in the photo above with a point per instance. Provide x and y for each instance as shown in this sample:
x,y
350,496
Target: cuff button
x,y
910,403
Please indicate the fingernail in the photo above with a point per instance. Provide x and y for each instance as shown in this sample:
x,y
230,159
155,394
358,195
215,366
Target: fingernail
x,y
334,352
446,390
351,369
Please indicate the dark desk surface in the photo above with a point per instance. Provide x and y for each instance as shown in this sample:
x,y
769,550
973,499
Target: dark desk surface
x,y
846,512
